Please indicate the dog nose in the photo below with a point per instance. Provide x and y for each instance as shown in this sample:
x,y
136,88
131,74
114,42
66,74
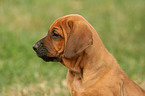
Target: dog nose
x,y
35,47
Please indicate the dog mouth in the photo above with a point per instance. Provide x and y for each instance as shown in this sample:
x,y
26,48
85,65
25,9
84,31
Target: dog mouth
x,y
47,59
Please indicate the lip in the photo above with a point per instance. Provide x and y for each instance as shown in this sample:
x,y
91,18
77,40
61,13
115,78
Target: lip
x,y
47,59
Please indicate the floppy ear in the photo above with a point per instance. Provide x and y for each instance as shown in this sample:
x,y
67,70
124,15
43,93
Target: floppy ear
x,y
79,39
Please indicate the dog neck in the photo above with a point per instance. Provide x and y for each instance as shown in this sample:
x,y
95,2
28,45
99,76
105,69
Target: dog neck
x,y
74,64
97,60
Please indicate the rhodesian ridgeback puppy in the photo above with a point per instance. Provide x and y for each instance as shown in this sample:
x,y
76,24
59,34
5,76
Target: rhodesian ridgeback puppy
x,y
92,70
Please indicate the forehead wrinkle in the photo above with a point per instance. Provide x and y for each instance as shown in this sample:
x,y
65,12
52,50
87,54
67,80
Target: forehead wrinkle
x,y
65,29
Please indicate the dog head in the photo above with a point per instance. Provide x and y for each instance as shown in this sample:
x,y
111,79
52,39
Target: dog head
x,y
67,37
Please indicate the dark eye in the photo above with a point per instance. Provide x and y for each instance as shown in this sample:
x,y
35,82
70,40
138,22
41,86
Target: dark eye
x,y
55,35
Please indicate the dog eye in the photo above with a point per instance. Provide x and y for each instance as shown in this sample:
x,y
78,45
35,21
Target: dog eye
x,y
55,35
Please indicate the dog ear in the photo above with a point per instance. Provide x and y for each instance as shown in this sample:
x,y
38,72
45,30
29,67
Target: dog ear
x,y
79,39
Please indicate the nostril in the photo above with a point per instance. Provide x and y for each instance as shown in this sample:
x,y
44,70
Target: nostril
x,y
34,48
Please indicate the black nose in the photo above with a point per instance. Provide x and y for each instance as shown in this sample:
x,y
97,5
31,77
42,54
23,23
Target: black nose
x,y
35,48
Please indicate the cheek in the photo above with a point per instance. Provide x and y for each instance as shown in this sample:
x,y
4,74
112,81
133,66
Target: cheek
x,y
58,45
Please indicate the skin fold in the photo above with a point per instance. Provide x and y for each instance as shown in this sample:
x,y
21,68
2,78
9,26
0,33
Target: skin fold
x,y
92,70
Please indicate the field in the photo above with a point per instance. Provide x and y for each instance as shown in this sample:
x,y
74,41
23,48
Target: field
x,y
119,23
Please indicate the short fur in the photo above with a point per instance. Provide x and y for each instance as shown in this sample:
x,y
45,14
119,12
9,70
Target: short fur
x,y
92,70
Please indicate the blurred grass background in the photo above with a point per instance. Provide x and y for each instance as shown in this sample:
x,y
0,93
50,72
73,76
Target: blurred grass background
x,y
119,23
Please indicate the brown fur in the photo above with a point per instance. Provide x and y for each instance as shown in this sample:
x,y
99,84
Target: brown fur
x,y
92,70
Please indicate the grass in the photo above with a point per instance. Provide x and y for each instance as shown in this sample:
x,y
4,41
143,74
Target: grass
x,y
120,24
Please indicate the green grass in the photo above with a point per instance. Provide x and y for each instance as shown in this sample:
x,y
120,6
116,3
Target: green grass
x,y
120,24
